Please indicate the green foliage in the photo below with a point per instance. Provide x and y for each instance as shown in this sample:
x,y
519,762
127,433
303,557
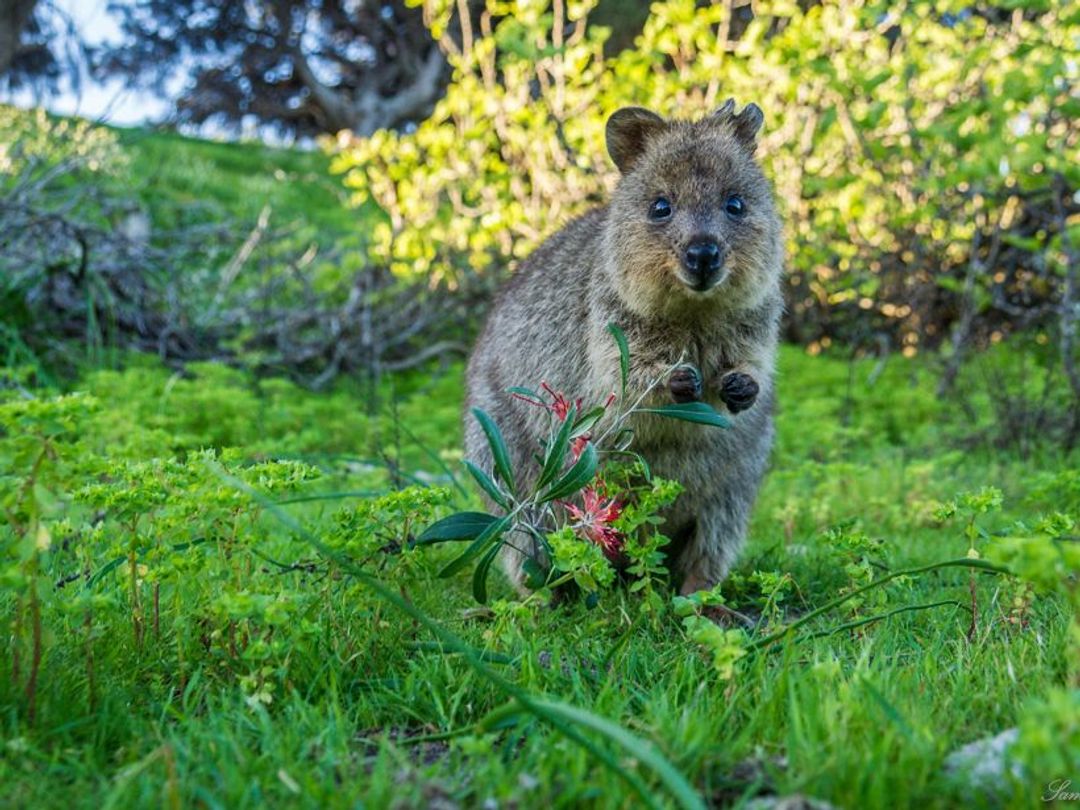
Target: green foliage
x,y
726,646
183,182
493,169
1049,740
124,239
205,586
914,148
32,141
222,590
584,562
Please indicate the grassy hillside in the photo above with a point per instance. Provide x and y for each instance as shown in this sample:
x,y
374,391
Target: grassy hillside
x,y
185,624
233,180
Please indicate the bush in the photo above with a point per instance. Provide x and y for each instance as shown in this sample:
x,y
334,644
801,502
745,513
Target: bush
x,y
921,151
80,260
87,267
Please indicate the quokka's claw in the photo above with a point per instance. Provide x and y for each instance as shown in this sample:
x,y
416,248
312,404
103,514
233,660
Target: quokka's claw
x,y
685,384
738,391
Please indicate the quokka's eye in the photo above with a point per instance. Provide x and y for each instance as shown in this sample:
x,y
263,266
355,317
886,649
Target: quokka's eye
x,y
735,206
660,210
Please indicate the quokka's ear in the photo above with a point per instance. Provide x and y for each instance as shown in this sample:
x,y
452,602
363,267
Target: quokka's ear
x,y
745,125
724,110
627,132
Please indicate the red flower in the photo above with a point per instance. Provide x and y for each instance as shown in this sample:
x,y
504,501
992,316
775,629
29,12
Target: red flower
x,y
559,405
578,444
593,522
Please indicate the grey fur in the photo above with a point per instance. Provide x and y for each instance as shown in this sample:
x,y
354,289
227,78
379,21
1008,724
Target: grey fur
x,y
614,265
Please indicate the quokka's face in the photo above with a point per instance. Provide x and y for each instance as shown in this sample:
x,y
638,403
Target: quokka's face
x,y
692,220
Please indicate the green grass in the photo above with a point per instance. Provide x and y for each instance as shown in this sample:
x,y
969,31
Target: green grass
x,y
182,180
322,694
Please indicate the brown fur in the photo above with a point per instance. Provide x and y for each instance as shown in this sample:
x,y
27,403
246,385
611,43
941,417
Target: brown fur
x,y
615,265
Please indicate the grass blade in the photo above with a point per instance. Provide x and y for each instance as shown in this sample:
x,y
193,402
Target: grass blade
x,y
963,562
879,617
641,750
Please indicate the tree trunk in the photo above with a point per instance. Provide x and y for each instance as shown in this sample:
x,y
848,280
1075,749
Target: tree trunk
x,y
368,110
14,17
372,111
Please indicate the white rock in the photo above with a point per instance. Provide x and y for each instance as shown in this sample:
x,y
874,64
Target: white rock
x,y
986,764
795,801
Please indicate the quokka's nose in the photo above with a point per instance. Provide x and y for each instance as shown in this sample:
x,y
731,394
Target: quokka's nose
x,y
703,259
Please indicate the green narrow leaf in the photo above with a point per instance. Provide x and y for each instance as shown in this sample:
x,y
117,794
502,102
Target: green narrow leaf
x,y
487,656
462,526
646,470
699,412
498,446
535,576
502,717
478,546
556,454
624,355
480,575
576,477
586,421
541,540
623,440
486,484
889,710
526,392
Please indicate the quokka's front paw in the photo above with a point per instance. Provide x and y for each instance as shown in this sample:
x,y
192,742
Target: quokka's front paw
x,y
738,391
685,384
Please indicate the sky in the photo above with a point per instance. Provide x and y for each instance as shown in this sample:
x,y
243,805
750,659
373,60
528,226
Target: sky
x,y
111,102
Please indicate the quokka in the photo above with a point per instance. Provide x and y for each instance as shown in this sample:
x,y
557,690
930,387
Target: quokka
x,y
687,259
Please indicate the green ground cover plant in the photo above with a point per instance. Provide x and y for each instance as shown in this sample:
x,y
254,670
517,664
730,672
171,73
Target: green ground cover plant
x,y
187,591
